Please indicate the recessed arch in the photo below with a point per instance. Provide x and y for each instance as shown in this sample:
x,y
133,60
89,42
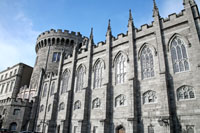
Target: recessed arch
x,y
147,45
186,41
62,41
117,55
97,61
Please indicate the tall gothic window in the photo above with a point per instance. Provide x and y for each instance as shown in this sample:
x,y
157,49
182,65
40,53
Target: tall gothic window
x,y
179,55
120,100
52,88
120,69
98,74
149,97
185,92
96,103
65,81
80,79
44,91
77,105
147,64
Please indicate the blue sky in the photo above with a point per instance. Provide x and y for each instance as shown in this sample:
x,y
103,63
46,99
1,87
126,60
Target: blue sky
x,y
21,21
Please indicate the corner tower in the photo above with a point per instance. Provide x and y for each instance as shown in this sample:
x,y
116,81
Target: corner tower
x,y
49,47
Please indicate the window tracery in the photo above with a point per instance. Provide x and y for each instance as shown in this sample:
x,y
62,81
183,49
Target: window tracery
x,y
98,74
149,97
77,105
96,103
185,92
80,79
179,55
147,63
120,69
120,100
65,82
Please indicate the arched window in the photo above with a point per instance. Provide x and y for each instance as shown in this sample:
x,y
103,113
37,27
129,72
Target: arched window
x,y
147,63
120,69
98,74
65,81
185,92
41,108
77,105
120,129
96,103
49,107
13,126
149,97
44,91
120,100
61,106
179,55
52,89
80,79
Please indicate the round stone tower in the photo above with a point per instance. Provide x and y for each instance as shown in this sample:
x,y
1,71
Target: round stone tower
x,y
49,47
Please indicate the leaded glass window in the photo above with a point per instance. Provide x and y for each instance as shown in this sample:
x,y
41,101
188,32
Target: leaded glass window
x,y
185,92
77,105
52,88
65,81
147,63
120,100
120,69
179,55
44,91
149,97
98,74
80,79
96,103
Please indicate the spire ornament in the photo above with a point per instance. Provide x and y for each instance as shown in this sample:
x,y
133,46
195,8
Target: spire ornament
x,y
155,9
109,29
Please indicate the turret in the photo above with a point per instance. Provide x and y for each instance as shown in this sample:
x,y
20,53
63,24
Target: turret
x,y
49,47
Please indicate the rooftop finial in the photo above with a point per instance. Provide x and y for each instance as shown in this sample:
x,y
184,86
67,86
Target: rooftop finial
x,y
109,27
91,33
130,15
155,9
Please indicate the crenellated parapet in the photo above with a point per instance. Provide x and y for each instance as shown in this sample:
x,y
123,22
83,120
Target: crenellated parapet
x,y
59,37
16,102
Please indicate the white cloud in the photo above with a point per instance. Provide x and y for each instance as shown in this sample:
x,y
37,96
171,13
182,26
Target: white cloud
x,y
17,40
172,6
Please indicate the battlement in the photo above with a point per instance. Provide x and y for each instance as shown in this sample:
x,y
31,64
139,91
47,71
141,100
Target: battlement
x,y
59,32
15,101
173,16
59,37
145,27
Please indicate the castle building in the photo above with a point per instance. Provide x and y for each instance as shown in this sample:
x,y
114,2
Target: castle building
x,y
15,111
144,81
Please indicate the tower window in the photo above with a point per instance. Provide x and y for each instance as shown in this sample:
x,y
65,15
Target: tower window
x,y
185,92
56,57
16,112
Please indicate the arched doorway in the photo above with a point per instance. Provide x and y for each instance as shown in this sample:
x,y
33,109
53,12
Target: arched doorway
x,y
13,126
120,129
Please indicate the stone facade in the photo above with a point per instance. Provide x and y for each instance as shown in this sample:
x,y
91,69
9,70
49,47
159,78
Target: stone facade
x,y
143,81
